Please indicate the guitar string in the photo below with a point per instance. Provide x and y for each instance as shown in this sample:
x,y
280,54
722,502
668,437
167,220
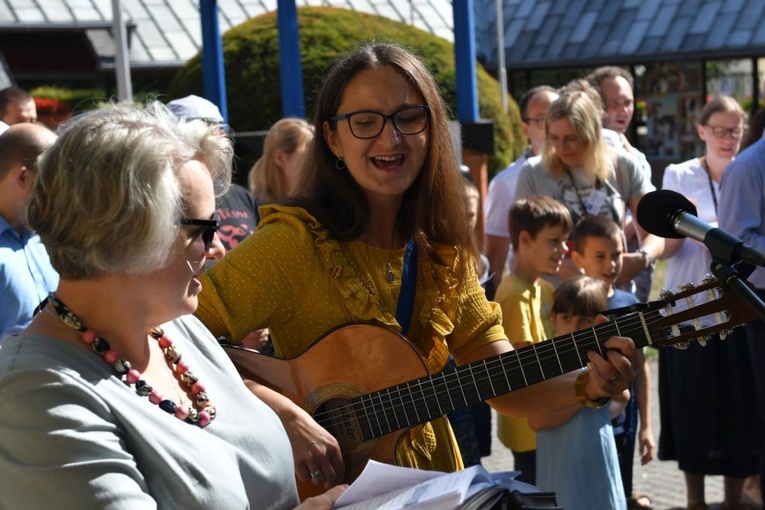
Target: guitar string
x,y
543,353
439,380
437,383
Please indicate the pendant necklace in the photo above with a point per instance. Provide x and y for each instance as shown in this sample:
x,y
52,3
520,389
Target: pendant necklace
x,y
389,275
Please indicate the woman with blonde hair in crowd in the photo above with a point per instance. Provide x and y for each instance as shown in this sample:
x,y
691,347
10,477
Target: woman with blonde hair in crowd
x,y
714,429
276,174
580,170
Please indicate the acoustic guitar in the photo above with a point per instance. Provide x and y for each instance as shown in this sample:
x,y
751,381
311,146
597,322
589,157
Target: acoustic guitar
x,y
367,385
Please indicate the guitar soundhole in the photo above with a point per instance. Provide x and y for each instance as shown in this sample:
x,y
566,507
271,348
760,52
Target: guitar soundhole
x,y
339,418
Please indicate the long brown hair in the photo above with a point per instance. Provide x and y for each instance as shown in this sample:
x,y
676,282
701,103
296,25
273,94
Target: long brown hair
x,y
433,209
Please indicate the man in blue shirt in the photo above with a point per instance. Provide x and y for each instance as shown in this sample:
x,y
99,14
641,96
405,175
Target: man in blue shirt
x,y
742,213
26,274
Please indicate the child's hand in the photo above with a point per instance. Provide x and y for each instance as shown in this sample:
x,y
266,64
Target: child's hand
x,y
646,445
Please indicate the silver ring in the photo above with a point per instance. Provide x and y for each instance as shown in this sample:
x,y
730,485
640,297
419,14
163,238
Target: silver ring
x,y
614,378
317,473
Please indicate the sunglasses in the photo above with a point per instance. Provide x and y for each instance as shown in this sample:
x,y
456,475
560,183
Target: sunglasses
x,y
206,233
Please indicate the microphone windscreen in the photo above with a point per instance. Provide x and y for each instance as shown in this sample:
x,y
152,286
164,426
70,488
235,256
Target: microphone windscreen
x,y
656,212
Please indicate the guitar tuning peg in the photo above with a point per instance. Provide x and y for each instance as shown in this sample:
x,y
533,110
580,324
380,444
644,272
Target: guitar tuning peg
x,y
686,286
680,345
666,294
691,302
724,333
708,278
703,340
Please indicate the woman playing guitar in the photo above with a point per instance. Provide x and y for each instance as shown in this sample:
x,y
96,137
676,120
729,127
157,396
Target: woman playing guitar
x,y
381,203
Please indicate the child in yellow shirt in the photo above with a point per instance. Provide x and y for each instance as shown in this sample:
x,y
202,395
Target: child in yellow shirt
x,y
539,228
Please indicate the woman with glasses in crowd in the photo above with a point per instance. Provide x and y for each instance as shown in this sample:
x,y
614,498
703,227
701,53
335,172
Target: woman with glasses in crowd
x,y
379,226
115,397
579,169
708,421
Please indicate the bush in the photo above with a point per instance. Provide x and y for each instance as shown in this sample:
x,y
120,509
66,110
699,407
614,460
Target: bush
x,y
77,100
251,54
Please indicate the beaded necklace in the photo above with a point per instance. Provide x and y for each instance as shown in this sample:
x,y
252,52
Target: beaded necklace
x,y
203,412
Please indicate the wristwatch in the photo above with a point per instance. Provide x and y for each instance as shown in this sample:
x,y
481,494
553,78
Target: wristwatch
x,y
580,388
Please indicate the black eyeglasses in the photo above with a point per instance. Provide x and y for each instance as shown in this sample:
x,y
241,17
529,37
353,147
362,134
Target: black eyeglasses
x,y
722,132
539,122
365,124
207,232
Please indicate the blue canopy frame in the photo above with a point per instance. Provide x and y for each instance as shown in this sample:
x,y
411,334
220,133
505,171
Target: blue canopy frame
x,y
290,67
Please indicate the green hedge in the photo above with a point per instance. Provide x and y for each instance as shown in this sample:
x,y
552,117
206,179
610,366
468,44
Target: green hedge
x,y
251,55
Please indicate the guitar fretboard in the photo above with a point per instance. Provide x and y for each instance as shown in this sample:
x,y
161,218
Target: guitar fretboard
x,y
427,398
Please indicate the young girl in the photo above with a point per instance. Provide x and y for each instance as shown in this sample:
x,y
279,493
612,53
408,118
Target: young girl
x,y
576,452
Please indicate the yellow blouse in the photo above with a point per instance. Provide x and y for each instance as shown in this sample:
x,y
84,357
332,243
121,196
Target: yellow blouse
x,y
294,278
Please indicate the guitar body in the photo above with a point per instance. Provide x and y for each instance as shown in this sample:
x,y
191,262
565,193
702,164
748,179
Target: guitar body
x,y
348,362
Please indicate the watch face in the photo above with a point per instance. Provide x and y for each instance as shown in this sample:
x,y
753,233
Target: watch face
x,y
597,404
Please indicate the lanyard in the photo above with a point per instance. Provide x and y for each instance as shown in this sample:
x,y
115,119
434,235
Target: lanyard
x,y
711,184
405,305
585,212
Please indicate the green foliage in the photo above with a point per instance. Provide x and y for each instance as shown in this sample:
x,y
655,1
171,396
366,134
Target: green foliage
x,y
78,99
251,54
81,100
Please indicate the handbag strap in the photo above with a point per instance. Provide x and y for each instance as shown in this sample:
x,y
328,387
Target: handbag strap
x,y
405,305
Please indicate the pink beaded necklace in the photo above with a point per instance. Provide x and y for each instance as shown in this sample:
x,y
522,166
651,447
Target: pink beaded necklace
x,y
203,412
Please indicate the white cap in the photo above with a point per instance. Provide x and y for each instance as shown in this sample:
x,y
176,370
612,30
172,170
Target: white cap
x,y
195,107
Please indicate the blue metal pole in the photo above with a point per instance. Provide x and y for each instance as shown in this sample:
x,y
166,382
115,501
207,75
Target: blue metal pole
x,y
290,67
212,57
464,56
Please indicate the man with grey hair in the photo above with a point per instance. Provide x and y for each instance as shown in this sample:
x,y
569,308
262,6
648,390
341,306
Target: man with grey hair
x,y
26,274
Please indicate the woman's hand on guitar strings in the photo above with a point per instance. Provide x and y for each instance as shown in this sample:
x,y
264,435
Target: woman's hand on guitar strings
x,y
317,454
614,373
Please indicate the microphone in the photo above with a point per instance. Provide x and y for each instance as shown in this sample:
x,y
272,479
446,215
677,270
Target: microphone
x,y
669,214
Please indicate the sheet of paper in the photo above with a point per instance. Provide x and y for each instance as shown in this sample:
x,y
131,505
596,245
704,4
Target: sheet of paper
x,y
378,478
386,487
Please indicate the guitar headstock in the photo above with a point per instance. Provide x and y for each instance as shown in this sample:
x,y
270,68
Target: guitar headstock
x,y
708,308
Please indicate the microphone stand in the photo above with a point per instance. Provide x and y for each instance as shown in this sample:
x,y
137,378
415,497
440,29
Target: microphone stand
x,y
733,277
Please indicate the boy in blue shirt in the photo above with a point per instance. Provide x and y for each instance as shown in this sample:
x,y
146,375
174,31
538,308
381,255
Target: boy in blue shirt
x,y
598,249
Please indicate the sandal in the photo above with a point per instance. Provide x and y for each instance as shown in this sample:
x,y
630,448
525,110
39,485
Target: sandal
x,y
639,501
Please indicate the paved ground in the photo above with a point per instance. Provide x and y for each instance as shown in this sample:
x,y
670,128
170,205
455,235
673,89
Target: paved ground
x,y
662,481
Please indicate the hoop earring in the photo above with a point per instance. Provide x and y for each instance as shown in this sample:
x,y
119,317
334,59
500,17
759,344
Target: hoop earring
x,y
340,164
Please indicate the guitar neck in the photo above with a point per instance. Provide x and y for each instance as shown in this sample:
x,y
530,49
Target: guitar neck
x,y
424,399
